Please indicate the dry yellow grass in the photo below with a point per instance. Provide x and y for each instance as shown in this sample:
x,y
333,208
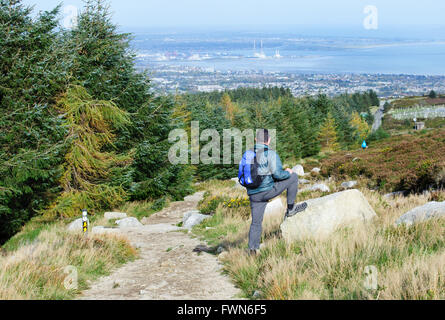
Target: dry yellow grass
x,y
410,261
37,270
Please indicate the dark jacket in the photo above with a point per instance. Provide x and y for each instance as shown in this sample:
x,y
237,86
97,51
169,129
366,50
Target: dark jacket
x,y
270,166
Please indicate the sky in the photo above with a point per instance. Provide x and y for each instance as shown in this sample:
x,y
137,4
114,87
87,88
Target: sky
x,y
322,14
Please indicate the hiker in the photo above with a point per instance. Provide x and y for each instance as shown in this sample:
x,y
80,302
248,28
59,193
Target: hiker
x,y
272,181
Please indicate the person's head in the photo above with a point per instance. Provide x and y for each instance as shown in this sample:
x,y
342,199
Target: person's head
x,y
262,136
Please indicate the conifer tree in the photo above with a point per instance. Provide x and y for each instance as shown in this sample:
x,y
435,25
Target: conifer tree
x,y
229,108
33,71
87,166
360,126
328,134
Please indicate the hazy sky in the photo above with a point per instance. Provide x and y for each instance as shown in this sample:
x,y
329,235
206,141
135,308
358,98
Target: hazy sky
x,y
311,13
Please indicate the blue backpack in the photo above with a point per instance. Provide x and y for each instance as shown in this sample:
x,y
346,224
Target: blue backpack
x,y
248,175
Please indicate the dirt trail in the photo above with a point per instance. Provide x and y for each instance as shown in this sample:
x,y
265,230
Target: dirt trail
x,y
167,267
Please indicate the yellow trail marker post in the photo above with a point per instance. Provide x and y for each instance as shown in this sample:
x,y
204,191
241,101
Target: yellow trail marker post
x,y
85,222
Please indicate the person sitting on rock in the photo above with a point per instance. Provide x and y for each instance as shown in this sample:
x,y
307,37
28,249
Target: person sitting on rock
x,y
275,181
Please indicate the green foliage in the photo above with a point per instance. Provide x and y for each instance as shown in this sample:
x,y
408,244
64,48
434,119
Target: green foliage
x,y
87,167
152,174
328,134
88,155
432,94
209,205
33,68
379,134
297,120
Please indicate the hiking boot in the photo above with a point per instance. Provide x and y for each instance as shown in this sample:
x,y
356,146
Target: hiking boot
x,y
297,208
253,252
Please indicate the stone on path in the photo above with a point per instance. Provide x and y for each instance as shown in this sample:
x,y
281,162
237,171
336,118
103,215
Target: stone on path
x,y
102,230
128,223
198,196
326,214
193,218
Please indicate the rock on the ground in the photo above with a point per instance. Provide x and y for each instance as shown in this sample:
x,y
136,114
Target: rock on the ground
x,y
128,222
137,245
298,169
326,214
75,226
196,197
194,219
114,215
188,215
101,230
349,184
303,181
274,207
394,194
320,187
237,184
316,170
428,211
222,255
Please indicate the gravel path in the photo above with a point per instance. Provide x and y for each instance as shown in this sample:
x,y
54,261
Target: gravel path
x,y
167,267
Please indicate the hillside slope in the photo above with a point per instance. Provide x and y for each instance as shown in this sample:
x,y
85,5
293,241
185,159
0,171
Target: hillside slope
x,y
411,162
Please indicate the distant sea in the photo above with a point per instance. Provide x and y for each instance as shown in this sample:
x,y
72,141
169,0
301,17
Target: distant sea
x,y
290,52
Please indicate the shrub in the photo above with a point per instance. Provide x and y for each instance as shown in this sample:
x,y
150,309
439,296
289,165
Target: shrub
x,y
209,205
379,134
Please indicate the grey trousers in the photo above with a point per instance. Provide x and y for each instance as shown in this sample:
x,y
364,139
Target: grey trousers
x,y
258,203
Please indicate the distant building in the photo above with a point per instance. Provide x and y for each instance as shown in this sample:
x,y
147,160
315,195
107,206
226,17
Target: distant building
x,y
419,125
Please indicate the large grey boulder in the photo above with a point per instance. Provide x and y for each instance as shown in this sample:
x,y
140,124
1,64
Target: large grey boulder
x,y
349,184
130,222
114,215
298,169
326,214
192,219
320,187
188,215
423,213
75,226
274,207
